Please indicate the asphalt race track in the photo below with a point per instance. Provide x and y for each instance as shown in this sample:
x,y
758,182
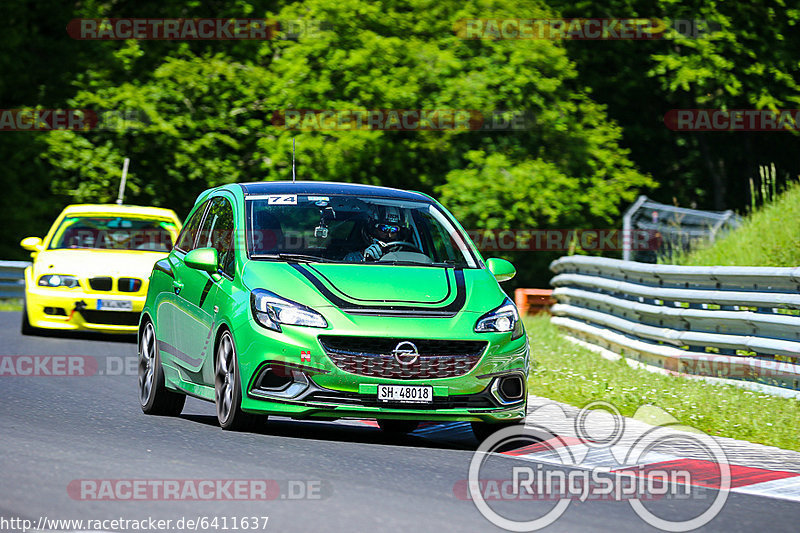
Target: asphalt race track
x,y
56,431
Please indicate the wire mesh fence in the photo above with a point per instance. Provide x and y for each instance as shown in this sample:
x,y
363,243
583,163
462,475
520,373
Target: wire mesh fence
x,y
672,229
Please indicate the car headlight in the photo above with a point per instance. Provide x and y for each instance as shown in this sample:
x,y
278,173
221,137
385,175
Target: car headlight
x,y
57,280
270,310
501,320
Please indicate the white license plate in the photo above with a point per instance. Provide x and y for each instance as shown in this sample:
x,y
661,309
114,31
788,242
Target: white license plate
x,y
115,305
405,393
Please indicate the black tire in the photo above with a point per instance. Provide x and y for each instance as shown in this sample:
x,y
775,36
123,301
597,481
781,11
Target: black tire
x,y
397,427
25,327
483,430
154,397
228,389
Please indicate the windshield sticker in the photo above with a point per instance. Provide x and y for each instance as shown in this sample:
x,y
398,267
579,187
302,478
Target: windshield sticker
x,y
282,199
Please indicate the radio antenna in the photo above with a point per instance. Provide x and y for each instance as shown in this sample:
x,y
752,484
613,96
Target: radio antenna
x,y
293,160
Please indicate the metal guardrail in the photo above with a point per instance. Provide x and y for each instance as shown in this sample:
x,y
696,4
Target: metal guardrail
x,y
12,278
739,323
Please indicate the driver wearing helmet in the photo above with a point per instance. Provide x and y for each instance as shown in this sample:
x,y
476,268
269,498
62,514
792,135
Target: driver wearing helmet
x,y
383,227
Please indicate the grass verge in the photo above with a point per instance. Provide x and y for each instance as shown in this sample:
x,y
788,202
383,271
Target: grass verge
x,y
572,374
767,237
10,304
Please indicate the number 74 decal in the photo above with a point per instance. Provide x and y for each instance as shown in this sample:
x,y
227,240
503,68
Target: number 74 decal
x,y
282,199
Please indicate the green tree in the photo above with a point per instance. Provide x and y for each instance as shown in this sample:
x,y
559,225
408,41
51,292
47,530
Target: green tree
x,y
209,118
743,56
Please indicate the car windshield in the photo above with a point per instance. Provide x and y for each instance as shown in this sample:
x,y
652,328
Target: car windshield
x,y
353,229
114,233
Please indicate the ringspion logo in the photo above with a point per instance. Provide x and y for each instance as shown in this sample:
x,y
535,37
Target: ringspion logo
x,y
605,462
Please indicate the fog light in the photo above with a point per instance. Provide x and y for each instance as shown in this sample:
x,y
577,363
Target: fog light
x,y
508,389
278,381
511,387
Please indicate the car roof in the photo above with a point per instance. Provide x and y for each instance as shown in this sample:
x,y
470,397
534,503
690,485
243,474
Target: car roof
x,y
328,187
114,209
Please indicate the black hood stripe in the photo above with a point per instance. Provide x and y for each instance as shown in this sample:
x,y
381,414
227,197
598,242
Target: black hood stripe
x,y
445,311
349,297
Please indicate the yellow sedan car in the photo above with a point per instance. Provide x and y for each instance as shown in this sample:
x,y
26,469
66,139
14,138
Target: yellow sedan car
x,y
91,270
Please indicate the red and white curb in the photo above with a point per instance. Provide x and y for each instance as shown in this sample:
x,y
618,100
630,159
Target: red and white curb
x,y
755,469
751,480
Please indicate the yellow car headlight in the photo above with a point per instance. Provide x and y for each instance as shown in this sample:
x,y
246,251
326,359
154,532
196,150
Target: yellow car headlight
x,y
58,280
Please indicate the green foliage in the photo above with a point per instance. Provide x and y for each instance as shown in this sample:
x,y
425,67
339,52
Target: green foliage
x,y
768,237
207,118
743,56
202,111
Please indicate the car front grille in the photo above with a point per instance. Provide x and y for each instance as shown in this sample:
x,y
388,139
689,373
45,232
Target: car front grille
x,y
110,318
100,283
129,284
106,284
372,356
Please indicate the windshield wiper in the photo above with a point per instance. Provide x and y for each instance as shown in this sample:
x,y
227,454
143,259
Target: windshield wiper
x,y
300,258
400,262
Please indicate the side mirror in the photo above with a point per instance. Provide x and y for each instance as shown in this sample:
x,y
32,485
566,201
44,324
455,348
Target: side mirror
x,y
204,259
501,269
33,244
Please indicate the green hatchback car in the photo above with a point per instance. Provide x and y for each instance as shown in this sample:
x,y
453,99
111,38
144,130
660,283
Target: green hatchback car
x,y
331,300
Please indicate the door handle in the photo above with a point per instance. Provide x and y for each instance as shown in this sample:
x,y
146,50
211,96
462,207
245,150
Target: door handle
x,y
177,286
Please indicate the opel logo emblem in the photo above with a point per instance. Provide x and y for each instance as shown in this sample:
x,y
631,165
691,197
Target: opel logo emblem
x,y
405,353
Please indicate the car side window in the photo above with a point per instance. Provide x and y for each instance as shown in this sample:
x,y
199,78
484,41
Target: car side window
x,y
217,232
187,237
437,243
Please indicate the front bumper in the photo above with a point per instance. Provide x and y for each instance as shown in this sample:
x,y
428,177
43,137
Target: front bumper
x,y
316,401
75,309
327,391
